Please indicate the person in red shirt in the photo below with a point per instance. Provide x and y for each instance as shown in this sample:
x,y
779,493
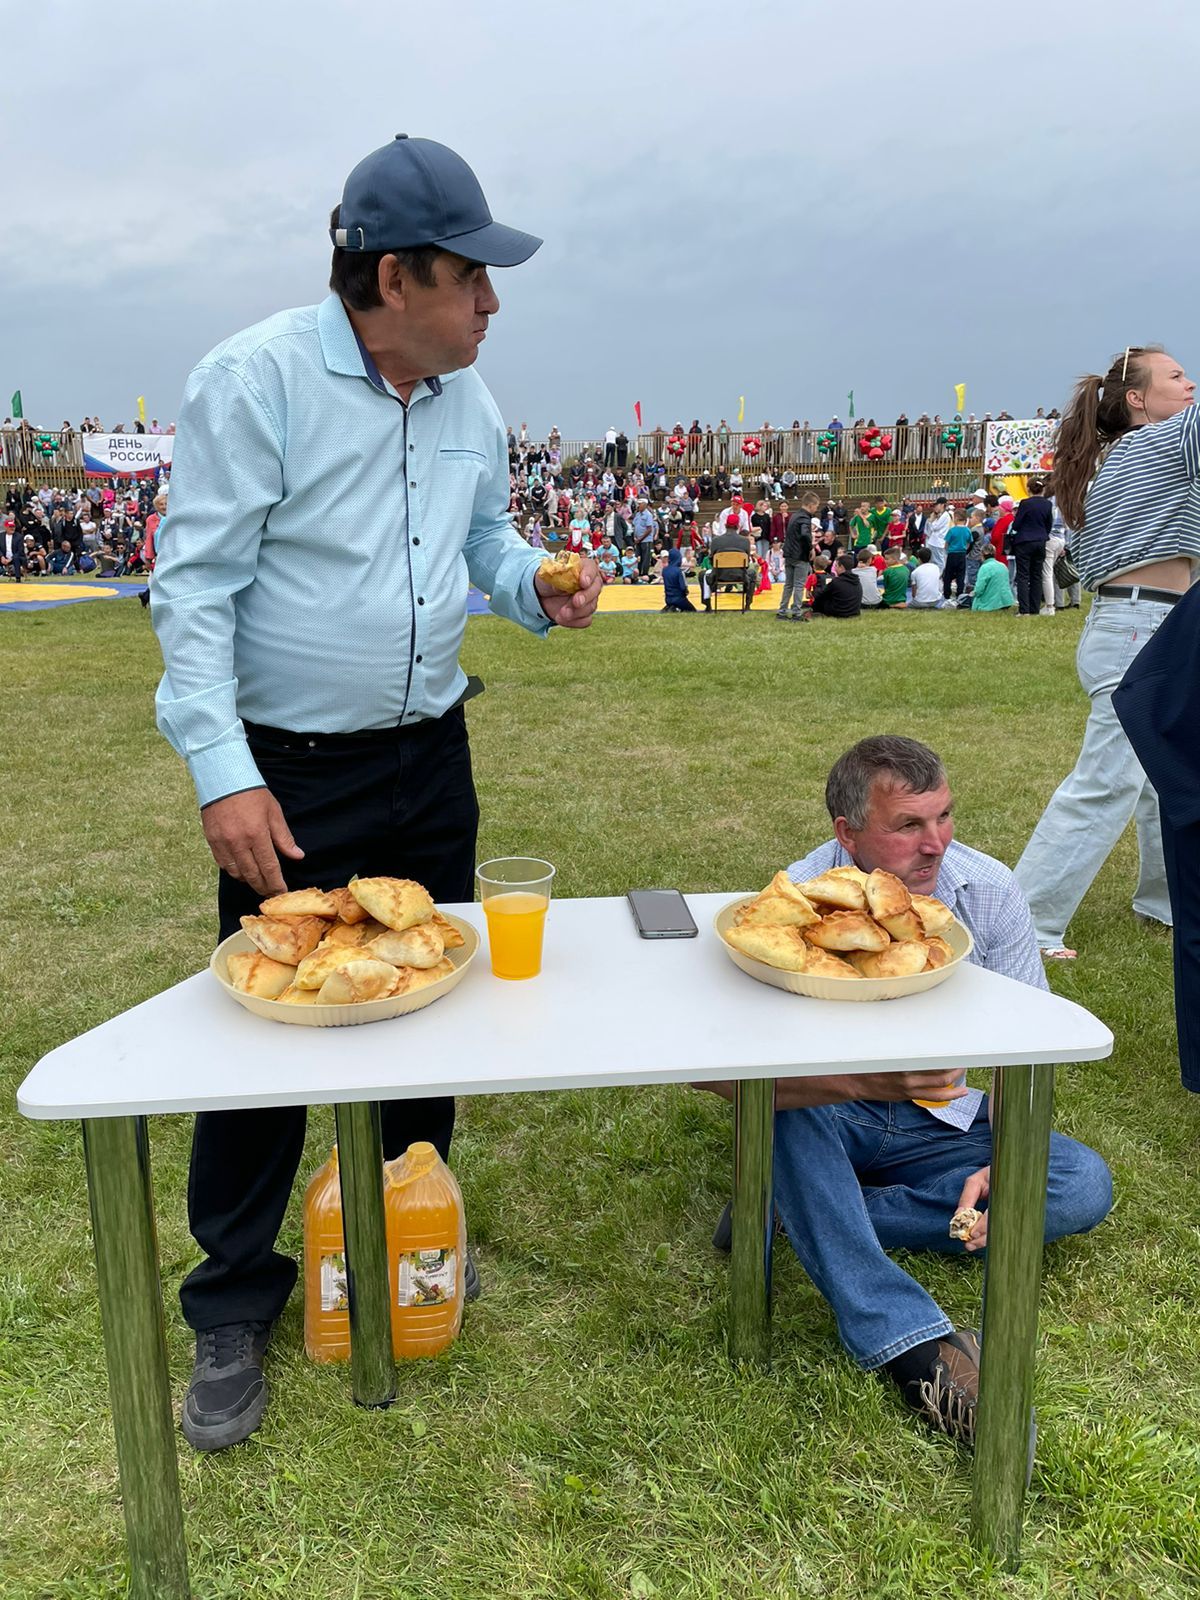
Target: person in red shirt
x,y
1002,524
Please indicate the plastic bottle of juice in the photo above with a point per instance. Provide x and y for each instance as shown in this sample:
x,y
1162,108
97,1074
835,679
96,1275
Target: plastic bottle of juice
x,y
326,1304
427,1251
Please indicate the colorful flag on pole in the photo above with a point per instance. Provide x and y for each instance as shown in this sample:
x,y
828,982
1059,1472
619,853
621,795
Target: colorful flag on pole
x,y
850,397
141,408
16,405
960,396
741,409
637,411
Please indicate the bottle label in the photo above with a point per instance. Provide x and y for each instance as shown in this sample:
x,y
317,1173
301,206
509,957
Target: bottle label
x,y
333,1283
427,1278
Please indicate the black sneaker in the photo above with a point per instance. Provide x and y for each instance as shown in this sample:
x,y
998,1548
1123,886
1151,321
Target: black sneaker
x,y
471,1285
946,1396
227,1394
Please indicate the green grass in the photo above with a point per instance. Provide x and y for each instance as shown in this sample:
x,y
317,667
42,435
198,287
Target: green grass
x,y
586,1437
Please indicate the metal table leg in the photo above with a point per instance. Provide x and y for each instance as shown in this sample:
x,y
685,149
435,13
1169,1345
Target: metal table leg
x,y
1013,1275
360,1167
117,1153
753,1230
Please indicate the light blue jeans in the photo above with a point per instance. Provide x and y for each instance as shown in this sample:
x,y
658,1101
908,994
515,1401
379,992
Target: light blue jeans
x,y
1089,810
916,1166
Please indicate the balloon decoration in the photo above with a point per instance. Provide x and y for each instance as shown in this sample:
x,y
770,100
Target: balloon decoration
x,y
827,442
751,446
46,444
874,443
676,445
952,438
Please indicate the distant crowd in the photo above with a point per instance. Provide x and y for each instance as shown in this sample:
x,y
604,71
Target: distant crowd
x,y
830,558
104,531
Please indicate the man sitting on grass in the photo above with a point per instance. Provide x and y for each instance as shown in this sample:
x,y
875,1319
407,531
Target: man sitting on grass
x,y
860,1169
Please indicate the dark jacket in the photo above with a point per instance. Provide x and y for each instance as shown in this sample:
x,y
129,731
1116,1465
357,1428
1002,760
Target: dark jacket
x,y
841,597
1156,704
674,579
730,541
797,541
1033,523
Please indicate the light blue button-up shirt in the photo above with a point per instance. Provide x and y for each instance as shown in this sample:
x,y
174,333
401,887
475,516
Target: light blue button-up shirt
x,y
314,561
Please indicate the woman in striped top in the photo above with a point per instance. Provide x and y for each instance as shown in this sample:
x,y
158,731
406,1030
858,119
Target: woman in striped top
x,y
1137,547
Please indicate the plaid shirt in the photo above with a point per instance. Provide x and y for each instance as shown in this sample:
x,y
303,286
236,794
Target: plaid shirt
x,y
984,896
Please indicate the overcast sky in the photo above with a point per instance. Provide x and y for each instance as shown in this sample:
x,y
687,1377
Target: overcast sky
x,y
777,200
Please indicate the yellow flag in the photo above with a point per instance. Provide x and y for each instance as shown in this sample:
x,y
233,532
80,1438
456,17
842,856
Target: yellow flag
x,y
960,395
141,408
741,409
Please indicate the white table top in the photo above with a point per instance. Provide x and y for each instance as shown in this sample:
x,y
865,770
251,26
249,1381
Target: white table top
x,y
608,1009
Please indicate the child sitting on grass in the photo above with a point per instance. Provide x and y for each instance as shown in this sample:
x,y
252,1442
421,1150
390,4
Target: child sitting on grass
x,y
817,579
894,581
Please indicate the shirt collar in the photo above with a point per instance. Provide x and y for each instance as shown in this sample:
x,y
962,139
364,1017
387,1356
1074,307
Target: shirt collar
x,y
345,353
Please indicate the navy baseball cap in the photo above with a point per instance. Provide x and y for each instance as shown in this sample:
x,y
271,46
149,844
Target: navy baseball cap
x,y
416,192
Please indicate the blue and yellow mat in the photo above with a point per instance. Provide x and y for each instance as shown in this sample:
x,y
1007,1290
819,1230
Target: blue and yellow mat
x,y
44,594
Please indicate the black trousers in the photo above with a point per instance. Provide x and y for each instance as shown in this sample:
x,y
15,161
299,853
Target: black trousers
x,y
1030,559
396,804
955,571
1181,856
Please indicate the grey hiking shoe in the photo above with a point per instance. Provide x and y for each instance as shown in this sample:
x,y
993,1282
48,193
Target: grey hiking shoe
x,y
227,1394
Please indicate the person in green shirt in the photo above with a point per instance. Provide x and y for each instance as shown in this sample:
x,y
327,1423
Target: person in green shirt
x,y
861,531
894,580
879,519
993,592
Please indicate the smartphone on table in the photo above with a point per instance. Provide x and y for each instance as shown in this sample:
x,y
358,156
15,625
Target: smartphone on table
x,y
661,914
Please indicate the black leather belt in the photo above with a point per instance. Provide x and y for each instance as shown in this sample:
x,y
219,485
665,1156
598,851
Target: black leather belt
x,y
390,735
1120,591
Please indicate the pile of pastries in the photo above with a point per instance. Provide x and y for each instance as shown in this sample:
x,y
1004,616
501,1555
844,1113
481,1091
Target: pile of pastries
x,y
844,924
372,940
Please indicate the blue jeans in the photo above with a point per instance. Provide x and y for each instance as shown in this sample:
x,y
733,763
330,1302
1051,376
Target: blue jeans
x,y
1089,809
825,1156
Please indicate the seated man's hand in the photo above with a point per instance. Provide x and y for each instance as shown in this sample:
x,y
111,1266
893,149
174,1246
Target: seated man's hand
x,y
247,834
976,1190
572,610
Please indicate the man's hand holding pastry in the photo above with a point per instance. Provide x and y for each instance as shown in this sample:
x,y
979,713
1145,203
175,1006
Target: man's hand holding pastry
x,y
568,586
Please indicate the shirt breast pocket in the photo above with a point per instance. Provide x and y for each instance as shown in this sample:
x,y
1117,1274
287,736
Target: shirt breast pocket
x,y
465,460
461,472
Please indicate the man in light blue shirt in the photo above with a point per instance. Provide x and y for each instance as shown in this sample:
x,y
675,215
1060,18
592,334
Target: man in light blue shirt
x,y
645,525
340,477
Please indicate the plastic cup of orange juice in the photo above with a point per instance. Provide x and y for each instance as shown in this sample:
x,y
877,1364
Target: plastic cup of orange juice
x,y
515,891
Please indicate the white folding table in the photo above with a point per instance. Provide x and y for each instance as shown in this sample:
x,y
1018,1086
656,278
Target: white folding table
x,y
192,1049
